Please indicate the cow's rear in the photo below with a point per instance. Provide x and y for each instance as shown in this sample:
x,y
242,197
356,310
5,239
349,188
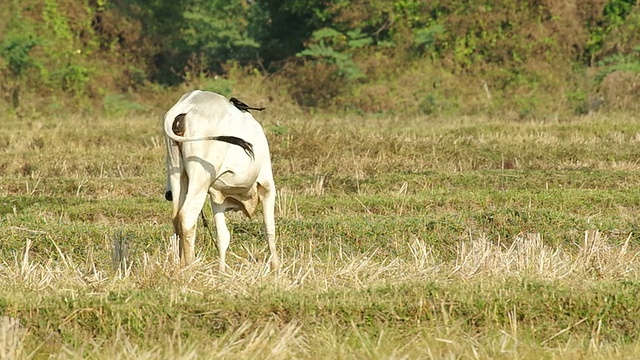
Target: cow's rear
x,y
214,147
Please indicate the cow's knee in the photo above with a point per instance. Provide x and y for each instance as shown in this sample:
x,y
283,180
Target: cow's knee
x,y
168,195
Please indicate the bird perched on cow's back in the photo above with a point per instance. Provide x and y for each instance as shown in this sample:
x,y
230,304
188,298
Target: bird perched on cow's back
x,y
242,106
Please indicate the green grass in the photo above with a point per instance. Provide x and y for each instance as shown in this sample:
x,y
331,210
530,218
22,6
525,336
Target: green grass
x,y
400,237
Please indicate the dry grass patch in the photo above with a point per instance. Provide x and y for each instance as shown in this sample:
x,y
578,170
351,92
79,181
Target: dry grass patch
x,y
415,237
356,305
595,257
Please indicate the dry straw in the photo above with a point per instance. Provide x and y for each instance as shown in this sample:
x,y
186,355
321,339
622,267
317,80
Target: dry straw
x,y
475,259
591,257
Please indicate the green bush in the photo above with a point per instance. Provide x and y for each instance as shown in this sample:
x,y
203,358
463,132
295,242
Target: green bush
x,y
362,56
330,46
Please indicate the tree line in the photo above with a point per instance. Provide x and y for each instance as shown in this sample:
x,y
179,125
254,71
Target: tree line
x,y
526,58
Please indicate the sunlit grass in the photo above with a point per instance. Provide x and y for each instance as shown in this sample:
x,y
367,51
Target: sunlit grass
x,y
401,238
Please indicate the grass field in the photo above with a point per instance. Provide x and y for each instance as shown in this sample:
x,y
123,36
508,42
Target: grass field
x,y
414,238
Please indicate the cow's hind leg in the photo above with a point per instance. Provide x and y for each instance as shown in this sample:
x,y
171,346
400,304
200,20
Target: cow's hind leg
x,y
188,218
177,187
267,193
222,234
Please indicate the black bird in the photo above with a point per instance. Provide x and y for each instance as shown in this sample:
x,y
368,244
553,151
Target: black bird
x,y
242,106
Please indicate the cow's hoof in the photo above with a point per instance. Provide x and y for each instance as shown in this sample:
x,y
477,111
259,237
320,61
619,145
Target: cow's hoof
x,y
168,196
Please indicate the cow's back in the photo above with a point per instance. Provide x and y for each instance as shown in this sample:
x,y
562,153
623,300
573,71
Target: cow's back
x,y
209,114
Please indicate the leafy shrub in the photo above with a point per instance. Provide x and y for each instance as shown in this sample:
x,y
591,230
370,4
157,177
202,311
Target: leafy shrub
x,y
425,38
16,56
333,47
209,29
15,51
74,79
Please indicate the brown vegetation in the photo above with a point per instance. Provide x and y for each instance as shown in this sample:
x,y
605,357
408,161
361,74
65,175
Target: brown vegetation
x,y
530,58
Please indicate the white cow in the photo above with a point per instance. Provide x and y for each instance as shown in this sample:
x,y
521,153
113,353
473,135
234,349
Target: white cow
x,y
215,148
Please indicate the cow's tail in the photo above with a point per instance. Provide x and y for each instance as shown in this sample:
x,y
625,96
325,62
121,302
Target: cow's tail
x,y
175,129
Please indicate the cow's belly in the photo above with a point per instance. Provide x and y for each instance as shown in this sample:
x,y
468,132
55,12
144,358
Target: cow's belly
x,y
235,197
234,183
